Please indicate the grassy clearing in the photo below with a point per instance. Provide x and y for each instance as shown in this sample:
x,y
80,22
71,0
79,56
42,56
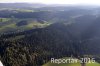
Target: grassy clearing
x,y
5,19
37,25
93,64
8,26
24,10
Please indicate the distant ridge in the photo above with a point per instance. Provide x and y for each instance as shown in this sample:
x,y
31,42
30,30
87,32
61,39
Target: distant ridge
x,y
20,5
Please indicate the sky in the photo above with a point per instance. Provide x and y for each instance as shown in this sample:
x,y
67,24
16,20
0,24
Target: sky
x,y
96,2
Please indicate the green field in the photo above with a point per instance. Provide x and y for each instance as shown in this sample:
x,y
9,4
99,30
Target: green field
x,y
9,24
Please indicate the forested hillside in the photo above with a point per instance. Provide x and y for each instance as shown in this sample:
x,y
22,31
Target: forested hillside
x,y
36,47
32,36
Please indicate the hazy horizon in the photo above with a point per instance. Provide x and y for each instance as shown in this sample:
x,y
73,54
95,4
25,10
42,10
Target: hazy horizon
x,y
89,2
